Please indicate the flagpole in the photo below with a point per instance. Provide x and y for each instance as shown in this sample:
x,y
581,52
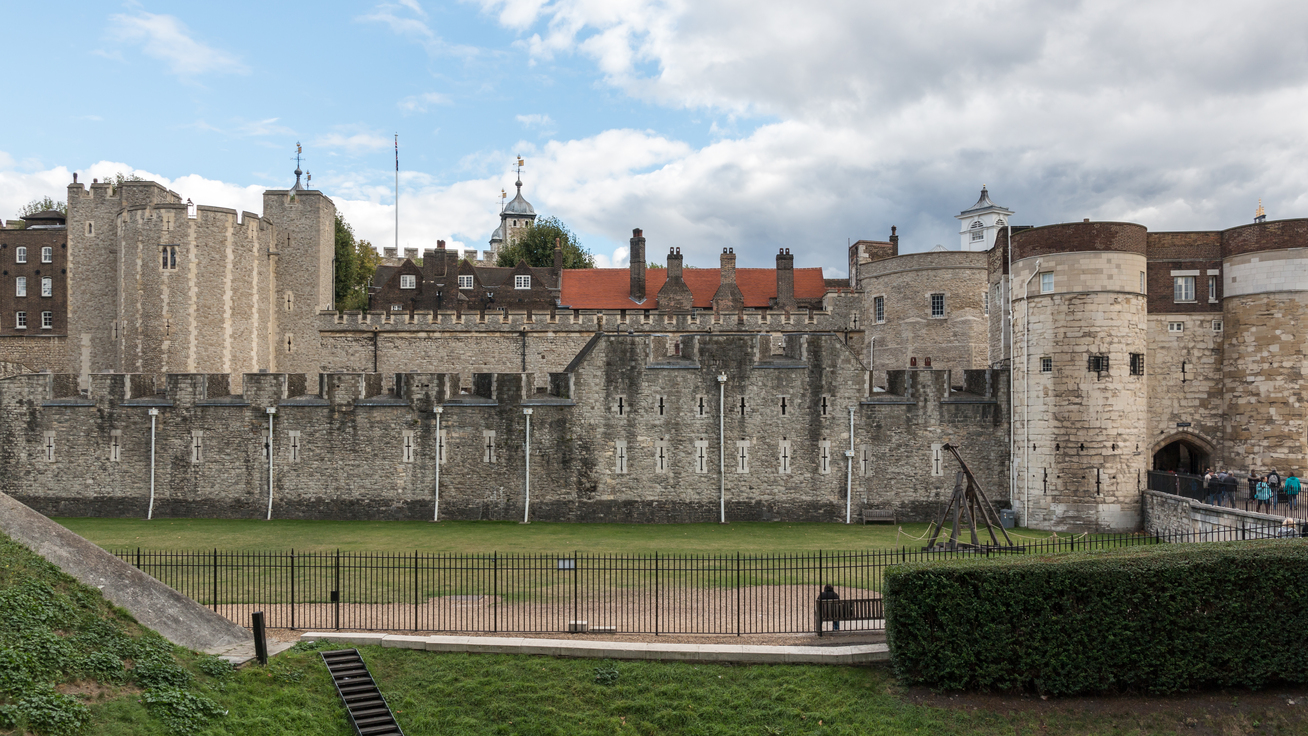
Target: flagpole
x,y
397,193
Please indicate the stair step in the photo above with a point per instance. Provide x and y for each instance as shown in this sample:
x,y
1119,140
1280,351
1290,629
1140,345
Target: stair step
x,y
369,714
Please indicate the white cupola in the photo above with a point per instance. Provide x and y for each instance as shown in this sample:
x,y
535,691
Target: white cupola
x,y
980,223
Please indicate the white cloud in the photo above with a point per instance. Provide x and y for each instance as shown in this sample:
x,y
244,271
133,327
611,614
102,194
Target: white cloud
x,y
166,38
420,103
534,120
413,26
353,142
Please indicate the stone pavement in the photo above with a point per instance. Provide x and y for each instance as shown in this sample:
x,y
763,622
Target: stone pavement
x,y
742,654
239,654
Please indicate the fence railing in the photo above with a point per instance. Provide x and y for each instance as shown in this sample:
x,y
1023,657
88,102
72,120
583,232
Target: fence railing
x,y
542,593
1235,492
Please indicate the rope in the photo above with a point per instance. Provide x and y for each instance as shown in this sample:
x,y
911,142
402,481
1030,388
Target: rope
x,y
910,536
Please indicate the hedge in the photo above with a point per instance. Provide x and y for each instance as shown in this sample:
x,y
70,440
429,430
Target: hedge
x,y
1157,618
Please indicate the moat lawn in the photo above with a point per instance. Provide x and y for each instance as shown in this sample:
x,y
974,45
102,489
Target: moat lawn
x,y
498,536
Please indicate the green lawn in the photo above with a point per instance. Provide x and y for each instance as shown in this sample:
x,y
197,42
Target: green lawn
x,y
496,536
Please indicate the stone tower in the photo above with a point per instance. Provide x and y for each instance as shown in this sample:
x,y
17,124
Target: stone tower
x,y
980,223
515,218
1079,396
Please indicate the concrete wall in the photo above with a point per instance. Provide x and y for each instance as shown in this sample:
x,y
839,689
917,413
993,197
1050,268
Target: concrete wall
x,y
1165,513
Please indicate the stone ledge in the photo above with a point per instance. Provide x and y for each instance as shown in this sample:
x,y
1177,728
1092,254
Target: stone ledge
x,y
744,654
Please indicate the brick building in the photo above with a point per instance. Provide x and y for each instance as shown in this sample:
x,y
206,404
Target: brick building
x,y
34,293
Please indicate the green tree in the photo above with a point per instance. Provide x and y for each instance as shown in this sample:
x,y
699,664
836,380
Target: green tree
x,y
652,264
41,205
356,263
536,246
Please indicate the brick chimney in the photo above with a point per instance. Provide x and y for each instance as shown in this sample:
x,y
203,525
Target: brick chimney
x,y
785,280
637,266
894,242
675,296
558,259
728,297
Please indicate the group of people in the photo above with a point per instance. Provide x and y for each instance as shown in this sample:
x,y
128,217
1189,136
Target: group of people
x,y
1266,490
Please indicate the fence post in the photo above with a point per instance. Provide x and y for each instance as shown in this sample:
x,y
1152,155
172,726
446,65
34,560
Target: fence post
x,y
338,589
656,594
292,588
495,590
215,580
737,592
415,590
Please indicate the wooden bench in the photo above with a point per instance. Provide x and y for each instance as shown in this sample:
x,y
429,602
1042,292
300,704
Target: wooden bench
x,y
854,609
871,515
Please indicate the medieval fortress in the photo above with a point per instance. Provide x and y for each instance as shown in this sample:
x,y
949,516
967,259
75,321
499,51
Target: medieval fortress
x,y
189,360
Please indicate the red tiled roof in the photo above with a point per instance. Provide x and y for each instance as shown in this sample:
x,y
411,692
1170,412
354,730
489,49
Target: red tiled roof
x,y
610,288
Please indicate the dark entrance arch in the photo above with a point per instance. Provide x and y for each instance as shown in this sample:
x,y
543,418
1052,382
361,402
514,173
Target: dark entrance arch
x,y
1183,456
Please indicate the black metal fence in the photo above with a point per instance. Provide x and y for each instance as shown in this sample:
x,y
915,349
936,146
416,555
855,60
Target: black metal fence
x,y
1235,492
536,593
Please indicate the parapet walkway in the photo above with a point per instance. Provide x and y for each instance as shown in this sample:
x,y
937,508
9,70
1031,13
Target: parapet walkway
x,y
711,653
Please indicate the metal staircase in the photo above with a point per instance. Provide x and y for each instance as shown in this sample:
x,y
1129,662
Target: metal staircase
x,y
369,713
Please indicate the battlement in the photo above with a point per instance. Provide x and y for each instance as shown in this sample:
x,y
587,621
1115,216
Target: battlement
x,y
585,319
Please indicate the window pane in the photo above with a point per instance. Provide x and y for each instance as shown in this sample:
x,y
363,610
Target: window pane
x,y
1046,283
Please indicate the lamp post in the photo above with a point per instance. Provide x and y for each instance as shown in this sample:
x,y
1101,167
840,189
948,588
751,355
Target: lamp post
x,y
272,411
526,506
149,514
436,510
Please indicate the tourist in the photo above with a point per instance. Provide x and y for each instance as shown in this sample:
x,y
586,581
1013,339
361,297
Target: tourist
x,y
1287,530
1274,482
1210,488
1262,494
1292,491
829,594
1253,485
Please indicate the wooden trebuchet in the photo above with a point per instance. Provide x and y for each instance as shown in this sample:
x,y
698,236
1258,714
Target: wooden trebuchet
x,y
968,503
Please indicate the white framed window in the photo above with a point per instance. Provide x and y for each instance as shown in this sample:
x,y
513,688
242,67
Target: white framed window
x,y
879,308
408,281
47,286
406,447
20,286
20,254
701,456
397,307
1175,327
47,254
1183,288
783,457
824,457
661,456
742,456
20,320
522,281
937,459
1046,364
1047,282
115,445
168,257
1212,288
465,282
620,457
47,320
978,231
197,446
49,446
937,305
488,445
1217,325
294,448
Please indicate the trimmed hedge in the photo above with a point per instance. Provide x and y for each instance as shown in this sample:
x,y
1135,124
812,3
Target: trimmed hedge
x,y
1157,618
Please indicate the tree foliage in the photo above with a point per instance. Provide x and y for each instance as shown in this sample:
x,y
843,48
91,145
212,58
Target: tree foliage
x,y
356,263
536,246
41,205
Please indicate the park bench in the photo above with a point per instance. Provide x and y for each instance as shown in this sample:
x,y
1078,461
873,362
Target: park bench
x,y
854,609
871,515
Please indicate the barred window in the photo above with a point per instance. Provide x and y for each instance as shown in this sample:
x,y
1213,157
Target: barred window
x,y
1137,364
1046,364
879,307
1098,364
937,305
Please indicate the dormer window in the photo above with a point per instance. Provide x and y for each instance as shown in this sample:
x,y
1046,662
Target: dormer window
x,y
522,282
465,282
978,231
408,281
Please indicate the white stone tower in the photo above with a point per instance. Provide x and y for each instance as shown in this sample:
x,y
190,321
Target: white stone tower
x,y
515,218
980,223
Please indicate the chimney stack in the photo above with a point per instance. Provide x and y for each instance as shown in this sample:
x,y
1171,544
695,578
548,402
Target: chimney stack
x,y
675,296
558,259
637,266
894,242
785,280
728,297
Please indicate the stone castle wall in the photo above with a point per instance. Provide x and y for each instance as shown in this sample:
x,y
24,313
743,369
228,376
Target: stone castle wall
x,y
1186,390
621,436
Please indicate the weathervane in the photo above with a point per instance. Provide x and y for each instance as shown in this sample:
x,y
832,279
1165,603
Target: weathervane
x,y
503,196
298,151
1259,214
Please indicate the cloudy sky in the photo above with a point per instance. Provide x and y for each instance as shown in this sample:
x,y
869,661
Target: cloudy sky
x,y
710,123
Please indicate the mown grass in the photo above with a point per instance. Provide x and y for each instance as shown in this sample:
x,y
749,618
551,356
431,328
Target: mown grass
x,y
484,537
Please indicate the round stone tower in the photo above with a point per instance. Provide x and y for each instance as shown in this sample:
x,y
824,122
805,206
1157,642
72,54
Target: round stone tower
x,y
1079,383
1265,356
